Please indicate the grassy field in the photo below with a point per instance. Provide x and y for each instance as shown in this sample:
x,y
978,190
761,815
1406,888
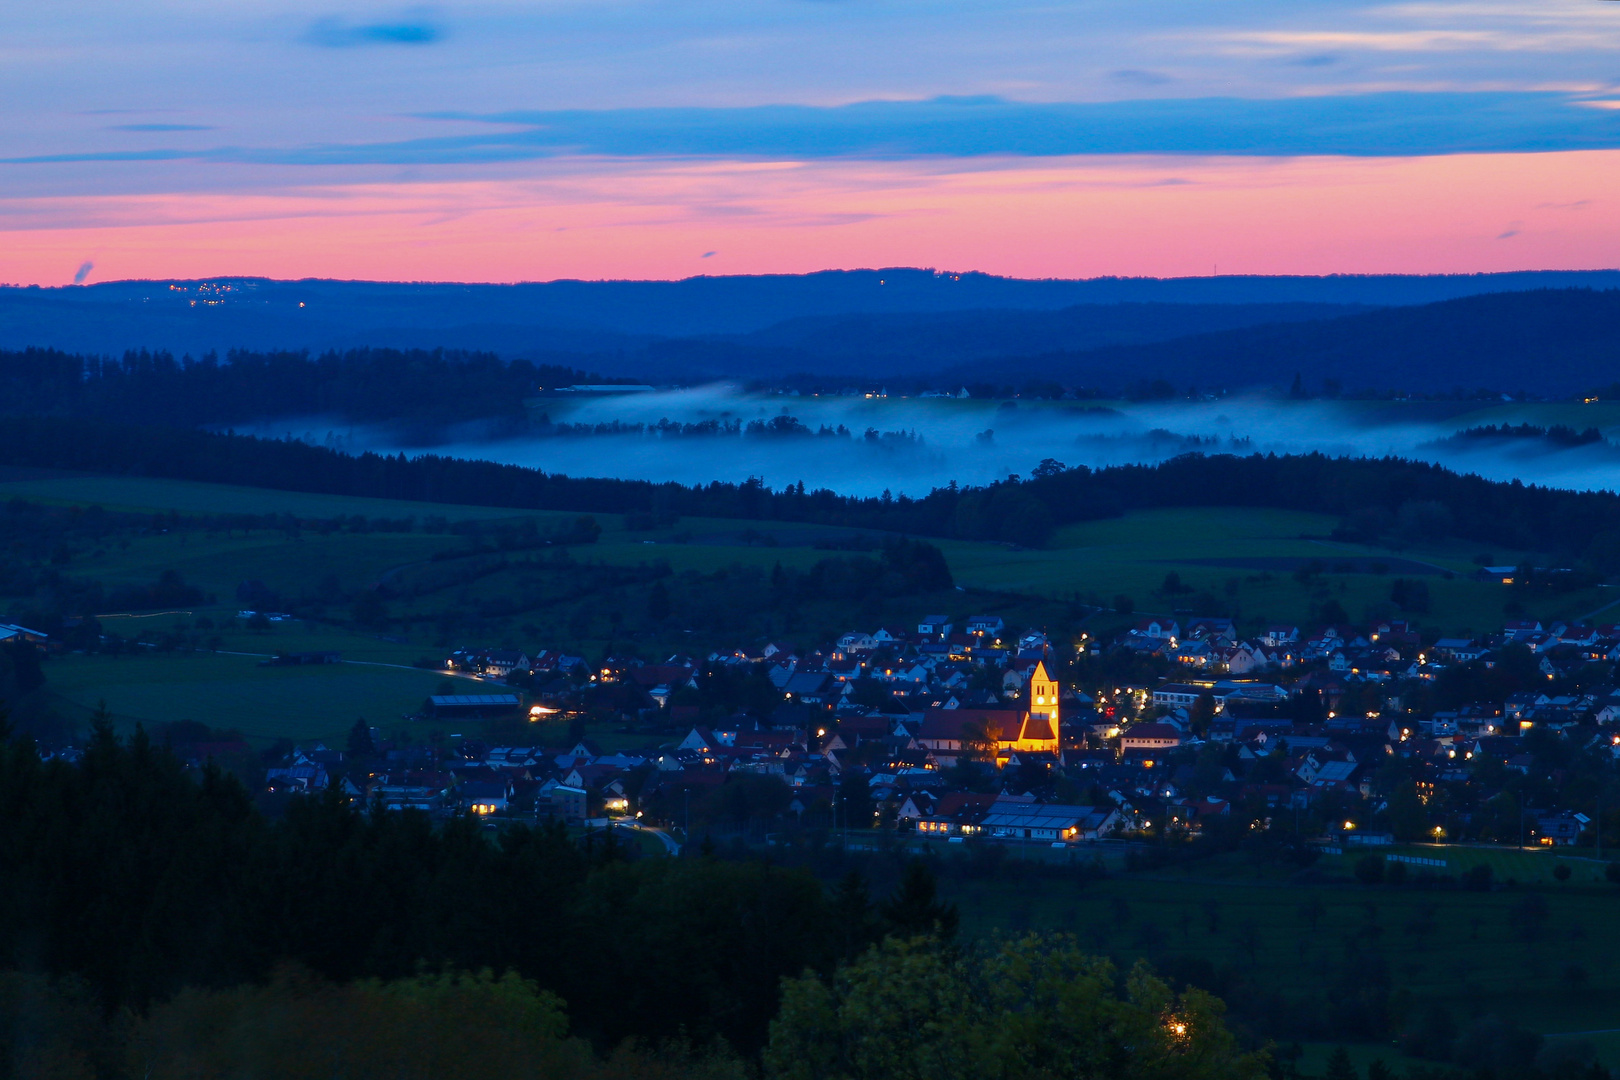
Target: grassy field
x,y
267,703
1529,866
1479,952
1242,560
1132,554
1129,555
1314,1061
194,497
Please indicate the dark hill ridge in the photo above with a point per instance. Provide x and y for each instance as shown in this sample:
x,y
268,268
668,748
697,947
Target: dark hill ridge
x,y
866,339
1552,342
531,319
935,329
911,346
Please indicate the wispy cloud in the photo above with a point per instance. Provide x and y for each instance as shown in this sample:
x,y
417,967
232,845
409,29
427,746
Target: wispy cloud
x,y
83,273
1374,40
160,127
1452,39
1139,77
1395,124
334,33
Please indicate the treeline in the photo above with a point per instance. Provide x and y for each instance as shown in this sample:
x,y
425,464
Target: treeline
x,y
32,531
1377,498
125,874
914,1009
1557,434
778,427
448,1026
414,385
223,943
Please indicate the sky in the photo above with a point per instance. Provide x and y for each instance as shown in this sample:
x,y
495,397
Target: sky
x,y
508,141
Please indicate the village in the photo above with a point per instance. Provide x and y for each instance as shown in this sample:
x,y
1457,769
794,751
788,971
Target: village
x,y
1170,730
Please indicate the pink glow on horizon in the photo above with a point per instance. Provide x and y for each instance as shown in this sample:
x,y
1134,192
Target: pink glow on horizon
x,y
1059,217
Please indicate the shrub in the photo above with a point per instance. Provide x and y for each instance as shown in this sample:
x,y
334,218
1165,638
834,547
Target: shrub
x,y
443,1026
1370,870
916,1008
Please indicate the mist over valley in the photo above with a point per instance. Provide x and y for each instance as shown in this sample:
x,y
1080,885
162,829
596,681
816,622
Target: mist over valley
x,y
865,445
858,382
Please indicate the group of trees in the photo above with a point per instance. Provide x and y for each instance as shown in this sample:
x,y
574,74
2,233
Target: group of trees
x,y
20,672
582,599
420,386
126,874
1027,1009
903,568
153,925
445,1026
1560,435
911,1009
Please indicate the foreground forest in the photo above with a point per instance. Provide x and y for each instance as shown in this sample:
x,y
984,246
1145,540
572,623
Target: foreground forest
x,y
153,923
157,926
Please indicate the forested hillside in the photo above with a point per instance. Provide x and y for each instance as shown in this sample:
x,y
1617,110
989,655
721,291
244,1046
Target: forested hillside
x,y
218,314
1547,342
415,386
912,331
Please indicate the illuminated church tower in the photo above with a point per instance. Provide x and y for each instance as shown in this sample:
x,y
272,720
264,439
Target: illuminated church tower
x,y
1042,728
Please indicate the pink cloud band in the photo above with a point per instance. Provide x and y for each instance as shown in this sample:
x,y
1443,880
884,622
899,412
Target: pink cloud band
x,y
1049,217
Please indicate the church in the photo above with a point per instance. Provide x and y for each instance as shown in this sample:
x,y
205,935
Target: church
x,y
1034,729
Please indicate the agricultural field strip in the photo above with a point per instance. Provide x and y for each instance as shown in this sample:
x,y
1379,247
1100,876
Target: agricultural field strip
x,y
1169,915
140,495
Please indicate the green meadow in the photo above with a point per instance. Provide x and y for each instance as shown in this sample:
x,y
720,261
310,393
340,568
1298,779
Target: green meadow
x,y
194,497
1542,953
1236,560
235,692
1247,559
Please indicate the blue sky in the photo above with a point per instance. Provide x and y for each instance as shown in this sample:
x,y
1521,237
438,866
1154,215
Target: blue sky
x,y
144,98
94,77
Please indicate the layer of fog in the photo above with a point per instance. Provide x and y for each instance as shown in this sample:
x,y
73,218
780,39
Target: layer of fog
x,y
916,444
